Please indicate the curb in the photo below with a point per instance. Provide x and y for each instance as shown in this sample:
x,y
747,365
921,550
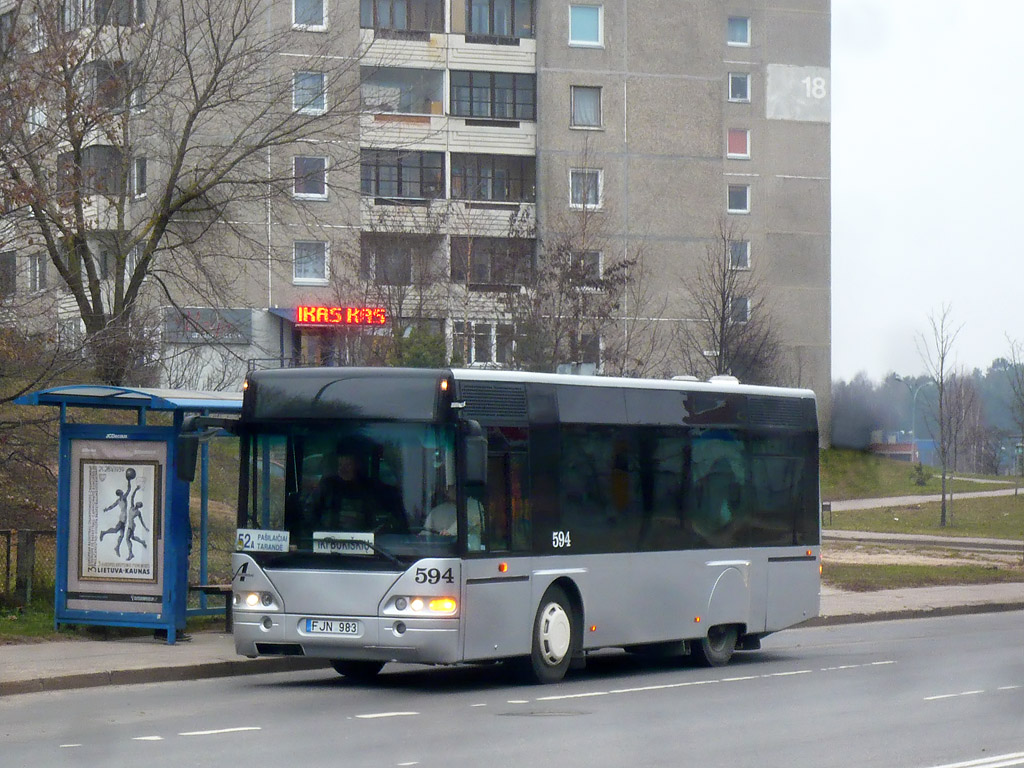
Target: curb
x,y
200,671
919,613
214,669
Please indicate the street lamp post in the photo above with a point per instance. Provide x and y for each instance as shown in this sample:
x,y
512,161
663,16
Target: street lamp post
x,y
914,392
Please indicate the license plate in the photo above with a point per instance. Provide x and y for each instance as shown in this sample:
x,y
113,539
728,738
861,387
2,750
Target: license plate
x,y
332,627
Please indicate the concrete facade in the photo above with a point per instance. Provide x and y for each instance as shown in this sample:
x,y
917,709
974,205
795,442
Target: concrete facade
x,y
693,96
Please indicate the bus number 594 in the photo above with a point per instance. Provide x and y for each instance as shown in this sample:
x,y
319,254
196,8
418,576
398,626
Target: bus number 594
x,y
560,539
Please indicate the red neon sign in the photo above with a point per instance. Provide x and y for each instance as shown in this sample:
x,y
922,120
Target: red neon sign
x,y
340,316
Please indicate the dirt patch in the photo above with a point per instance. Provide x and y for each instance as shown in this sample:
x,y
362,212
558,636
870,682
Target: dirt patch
x,y
876,554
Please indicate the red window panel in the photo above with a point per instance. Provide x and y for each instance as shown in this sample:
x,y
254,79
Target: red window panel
x,y
739,142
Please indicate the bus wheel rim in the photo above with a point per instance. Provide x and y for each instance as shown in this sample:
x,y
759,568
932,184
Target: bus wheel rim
x,y
555,634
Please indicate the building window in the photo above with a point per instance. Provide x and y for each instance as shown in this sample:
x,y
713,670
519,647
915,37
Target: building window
x,y
585,101
739,254
310,174
402,15
586,25
738,144
739,86
393,268
739,198
8,274
7,31
392,173
738,31
309,93
118,12
585,188
110,84
309,262
409,91
500,18
739,310
500,95
499,178
139,170
100,171
36,33
36,119
491,261
310,15
482,342
37,271
393,258
137,98
586,268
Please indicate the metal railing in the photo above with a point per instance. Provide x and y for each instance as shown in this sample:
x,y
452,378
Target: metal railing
x,y
28,565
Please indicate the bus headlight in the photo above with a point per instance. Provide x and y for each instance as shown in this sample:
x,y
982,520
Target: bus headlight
x,y
262,600
425,606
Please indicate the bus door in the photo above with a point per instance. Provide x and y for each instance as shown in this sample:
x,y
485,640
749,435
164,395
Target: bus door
x,y
496,604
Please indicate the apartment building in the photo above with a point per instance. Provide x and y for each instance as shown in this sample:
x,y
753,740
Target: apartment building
x,y
485,130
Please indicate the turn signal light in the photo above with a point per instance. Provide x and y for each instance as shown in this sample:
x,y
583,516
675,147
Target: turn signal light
x,y
502,567
442,605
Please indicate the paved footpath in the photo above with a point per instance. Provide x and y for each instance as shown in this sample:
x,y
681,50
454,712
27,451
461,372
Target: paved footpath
x,y
903,501
66,664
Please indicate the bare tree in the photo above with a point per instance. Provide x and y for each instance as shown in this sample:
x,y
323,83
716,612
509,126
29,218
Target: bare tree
x,y
963,409
1015,373
398,265
730,330
574,298
136,146
936,353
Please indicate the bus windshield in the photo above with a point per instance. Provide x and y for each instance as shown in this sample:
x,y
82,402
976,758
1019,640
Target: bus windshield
x,y
353,488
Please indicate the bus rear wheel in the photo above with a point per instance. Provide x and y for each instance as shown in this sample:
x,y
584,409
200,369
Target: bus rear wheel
x,y
359,671
716,649
554,637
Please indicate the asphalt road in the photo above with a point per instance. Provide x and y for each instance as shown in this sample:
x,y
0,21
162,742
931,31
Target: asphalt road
x,y
925,692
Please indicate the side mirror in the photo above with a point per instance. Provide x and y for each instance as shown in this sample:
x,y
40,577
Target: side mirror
x,y
185,450
193,430
476,454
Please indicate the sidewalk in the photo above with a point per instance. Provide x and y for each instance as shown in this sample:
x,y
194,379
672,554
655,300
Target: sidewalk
x,y
67,664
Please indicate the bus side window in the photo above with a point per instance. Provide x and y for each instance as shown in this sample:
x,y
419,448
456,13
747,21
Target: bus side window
x,y
496,528
519,503
718,511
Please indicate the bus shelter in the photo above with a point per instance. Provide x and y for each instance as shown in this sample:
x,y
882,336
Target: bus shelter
x,y
123,526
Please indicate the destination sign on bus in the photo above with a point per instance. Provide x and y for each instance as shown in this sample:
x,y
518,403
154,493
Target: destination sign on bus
x,y
340,315
343,543
258,540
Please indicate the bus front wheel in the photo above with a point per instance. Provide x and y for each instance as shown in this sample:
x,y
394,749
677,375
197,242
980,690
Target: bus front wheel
x,y
716,649
358,671
553,637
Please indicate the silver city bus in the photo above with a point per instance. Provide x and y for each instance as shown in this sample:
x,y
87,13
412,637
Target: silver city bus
x,y
447,516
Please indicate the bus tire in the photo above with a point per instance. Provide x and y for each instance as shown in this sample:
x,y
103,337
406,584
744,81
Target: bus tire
x,y
716,649
554,637
358,671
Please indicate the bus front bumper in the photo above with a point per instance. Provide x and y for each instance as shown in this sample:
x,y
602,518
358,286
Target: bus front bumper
x,y
411,640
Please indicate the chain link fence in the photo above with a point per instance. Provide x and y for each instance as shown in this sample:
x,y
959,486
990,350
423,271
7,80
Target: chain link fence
x,y
28,566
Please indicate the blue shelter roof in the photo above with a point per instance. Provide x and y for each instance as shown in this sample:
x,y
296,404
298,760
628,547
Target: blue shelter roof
x,y
105,396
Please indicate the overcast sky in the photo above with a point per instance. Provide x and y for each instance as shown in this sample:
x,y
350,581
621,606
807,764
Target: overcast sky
x,y
926,179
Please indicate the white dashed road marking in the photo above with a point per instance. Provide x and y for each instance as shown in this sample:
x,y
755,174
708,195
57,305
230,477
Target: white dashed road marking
x,y
221,730
377,715
952,695
997,761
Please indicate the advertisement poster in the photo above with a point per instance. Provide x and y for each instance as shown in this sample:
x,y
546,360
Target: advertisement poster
x,y
120,520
